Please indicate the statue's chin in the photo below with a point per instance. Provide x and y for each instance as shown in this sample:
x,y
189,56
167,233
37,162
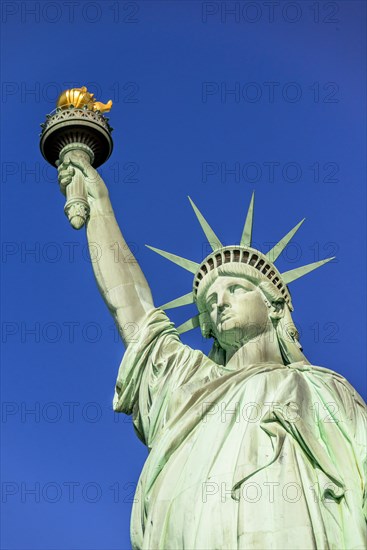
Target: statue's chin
x,y
226,325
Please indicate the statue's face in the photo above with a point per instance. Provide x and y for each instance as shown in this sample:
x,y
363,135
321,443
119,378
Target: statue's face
x,y
237,310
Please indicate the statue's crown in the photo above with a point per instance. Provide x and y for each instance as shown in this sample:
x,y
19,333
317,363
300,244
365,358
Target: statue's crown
x,y
242,254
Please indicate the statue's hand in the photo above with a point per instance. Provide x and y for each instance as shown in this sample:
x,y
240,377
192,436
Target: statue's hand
x,y
75,160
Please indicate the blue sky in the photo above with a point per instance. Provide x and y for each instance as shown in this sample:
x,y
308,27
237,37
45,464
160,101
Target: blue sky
x,y
207,103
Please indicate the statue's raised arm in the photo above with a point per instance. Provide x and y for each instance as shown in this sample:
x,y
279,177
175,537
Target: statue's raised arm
x,y
121,283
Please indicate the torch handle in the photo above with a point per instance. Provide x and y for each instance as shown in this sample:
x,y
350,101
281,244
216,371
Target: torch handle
x,y
77,207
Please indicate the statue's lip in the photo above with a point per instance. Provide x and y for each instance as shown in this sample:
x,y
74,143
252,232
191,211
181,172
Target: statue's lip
x,y
225,317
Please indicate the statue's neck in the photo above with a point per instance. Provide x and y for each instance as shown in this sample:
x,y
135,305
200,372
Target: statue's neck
x,y
262,349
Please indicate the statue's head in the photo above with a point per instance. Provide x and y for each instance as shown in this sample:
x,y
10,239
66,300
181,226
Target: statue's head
x,y
235,311
240,294
237,304
235,298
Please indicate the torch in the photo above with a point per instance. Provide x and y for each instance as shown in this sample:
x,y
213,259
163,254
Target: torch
x,y
77,124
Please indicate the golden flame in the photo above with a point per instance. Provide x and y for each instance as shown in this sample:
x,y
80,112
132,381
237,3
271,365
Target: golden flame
x,y
80,97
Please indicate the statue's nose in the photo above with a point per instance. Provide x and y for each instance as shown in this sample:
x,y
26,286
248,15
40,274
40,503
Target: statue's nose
x,y
223,301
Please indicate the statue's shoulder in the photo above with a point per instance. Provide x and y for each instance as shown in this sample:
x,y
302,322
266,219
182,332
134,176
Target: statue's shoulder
x,y
338,381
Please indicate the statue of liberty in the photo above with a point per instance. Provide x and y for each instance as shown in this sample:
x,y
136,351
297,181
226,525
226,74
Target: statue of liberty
x,y
251,447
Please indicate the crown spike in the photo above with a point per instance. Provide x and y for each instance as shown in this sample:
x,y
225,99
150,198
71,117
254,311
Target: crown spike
x,y
178,302
247,230
209,233
182,262
189,325
275,252
294,274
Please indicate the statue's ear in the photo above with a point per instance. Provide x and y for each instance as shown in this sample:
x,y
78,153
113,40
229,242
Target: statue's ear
x,y
276,310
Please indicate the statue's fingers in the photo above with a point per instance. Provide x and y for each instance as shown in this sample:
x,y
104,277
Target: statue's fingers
x,y
67,175
66,172
61,175
64,182
63,165
78,162
64,168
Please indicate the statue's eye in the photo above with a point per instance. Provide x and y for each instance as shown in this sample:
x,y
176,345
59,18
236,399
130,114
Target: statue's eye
x,y
236,288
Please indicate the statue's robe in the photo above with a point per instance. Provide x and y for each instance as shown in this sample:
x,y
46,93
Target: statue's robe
x,y
262,457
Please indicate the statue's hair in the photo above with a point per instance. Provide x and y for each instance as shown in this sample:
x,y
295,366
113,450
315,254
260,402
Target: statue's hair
x,y
287,334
